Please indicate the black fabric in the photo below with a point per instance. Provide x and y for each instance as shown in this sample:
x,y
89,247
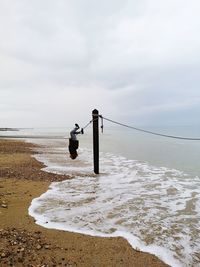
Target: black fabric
x,y
73,146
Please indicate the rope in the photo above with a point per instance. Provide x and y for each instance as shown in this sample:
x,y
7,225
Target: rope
x,y
87,125
101,123
90,122
150,132
112,121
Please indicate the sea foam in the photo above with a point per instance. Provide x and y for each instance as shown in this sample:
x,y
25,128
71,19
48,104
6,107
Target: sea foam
x,y
155,208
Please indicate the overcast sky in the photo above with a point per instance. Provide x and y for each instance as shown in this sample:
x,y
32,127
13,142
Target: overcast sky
x,y
137,61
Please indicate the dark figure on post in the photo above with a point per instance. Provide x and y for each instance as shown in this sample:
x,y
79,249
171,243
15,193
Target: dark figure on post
x,y
73,142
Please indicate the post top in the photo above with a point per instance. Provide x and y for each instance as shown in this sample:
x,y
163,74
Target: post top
x,y
95,111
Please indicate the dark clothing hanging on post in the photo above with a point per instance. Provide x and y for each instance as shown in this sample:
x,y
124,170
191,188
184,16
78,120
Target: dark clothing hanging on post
x,y
73,145
73,142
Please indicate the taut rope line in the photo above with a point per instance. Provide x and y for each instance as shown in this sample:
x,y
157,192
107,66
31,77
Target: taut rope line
x,y
150,132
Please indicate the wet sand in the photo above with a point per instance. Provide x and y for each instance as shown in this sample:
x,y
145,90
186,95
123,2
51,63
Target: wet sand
x,y
23,243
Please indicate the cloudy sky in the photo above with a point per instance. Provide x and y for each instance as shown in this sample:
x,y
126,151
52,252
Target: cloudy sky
x,y
137,61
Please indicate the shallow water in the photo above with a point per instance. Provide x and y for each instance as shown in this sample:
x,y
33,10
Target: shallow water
x,y
147,191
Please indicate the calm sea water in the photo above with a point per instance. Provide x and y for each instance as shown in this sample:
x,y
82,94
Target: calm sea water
x,y
147,191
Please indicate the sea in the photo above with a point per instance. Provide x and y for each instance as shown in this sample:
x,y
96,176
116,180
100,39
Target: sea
x,y
148,189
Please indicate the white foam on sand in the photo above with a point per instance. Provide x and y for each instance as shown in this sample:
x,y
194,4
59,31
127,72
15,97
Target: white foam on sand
x,y
155,209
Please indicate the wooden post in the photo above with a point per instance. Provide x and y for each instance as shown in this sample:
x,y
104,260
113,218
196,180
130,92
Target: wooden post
x,y
95,117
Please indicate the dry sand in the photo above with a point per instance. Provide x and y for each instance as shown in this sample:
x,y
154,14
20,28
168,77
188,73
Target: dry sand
x,y
23,243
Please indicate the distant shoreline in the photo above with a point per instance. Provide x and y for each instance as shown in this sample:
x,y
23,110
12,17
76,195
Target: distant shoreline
x,y
8,129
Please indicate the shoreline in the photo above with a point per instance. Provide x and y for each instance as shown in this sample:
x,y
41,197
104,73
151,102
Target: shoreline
x,y
25,243
8,129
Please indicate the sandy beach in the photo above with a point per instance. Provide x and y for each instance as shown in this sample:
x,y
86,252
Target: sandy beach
x,y
23,243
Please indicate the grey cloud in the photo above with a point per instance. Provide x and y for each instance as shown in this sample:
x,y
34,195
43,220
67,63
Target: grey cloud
x,y
141,55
